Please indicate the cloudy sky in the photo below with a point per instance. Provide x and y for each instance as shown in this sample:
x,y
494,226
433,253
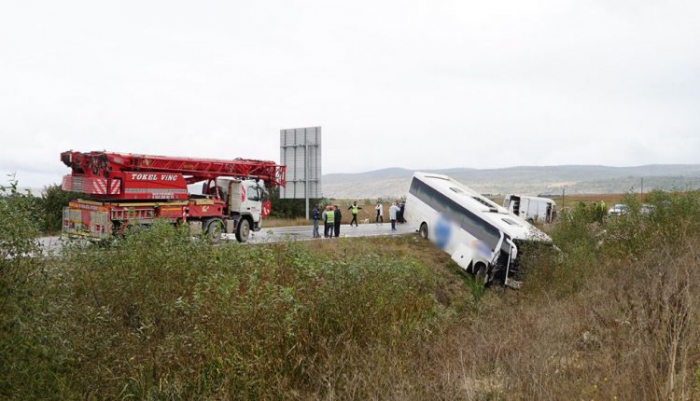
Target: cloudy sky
x,y
414,84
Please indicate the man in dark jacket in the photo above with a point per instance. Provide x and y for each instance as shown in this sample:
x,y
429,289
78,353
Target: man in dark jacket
x,y
316,216
338,216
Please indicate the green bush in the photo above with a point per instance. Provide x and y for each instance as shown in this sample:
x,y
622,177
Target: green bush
x,y
53,200
26,356
290,208
19,223
672,219
161,315
587,241
561,269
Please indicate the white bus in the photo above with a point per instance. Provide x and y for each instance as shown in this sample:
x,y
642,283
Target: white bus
x,y
481,236
531,208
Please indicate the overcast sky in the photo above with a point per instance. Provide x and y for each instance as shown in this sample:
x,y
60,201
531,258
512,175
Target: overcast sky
x,y
414,84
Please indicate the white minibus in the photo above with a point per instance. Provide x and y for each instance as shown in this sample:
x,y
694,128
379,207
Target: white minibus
x,y
531,208
482,237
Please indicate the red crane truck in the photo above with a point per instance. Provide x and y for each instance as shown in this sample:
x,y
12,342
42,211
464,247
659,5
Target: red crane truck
x,y
126,191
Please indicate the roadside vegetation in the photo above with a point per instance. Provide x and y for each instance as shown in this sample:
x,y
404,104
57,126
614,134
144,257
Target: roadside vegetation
x,y
159,315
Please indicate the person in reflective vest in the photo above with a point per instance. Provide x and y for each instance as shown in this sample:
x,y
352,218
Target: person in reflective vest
x,y
328,219
354,210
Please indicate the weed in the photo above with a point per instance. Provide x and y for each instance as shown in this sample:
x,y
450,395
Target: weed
x,y
159,315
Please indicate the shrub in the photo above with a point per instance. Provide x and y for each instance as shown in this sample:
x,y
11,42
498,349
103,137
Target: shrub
x,y
19,223
674,218
25,355
53,200
160,315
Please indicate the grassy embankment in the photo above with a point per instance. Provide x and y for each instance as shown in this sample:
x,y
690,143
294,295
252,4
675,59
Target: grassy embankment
x,y
159,316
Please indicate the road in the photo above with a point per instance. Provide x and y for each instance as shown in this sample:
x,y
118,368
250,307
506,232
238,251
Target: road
x,y
303,233
277,234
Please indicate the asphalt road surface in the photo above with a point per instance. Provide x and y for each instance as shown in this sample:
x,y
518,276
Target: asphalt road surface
x,y
304,233
277,234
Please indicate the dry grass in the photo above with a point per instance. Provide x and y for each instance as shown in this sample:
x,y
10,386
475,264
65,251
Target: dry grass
x,y
626,330
626,336
609,199
272,222
164,317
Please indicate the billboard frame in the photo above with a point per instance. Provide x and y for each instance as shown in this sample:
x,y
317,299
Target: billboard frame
x,y
301,146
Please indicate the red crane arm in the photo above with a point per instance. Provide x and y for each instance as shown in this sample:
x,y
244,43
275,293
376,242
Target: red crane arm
x,y
201,169
110,164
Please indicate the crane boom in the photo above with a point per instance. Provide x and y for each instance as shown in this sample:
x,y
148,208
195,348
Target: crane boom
x,y
133,176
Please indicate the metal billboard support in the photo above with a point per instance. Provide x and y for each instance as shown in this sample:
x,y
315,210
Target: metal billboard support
x,y
300,151
306,175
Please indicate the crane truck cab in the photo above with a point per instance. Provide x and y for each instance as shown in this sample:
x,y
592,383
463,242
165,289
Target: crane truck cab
x,y
244,200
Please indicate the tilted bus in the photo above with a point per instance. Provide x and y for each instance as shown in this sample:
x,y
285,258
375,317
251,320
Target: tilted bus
x,y
482,237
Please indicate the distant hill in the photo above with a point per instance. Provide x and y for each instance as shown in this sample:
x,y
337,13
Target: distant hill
x,y
533,180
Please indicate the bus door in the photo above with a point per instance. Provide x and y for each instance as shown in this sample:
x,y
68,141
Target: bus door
x,y
504,256
512,254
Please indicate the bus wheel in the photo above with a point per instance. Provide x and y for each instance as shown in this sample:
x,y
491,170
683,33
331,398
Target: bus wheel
x,y
423,231
214,229
243,230
481,273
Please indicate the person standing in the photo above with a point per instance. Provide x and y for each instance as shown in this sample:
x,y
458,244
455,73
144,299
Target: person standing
x,y
354,210
399,216
337,217
316,216
380,212
393,212
329,220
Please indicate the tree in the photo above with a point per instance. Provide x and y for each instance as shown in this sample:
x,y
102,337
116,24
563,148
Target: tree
x,y
289,208
54,199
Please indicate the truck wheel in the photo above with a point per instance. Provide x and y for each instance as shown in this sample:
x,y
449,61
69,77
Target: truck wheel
x,y
243,230
423,231
117,229
214,229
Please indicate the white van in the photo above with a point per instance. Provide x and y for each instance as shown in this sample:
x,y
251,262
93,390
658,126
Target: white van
x,y
531,208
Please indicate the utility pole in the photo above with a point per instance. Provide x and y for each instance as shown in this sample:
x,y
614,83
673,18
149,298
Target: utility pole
x,y
563,199
306,175
641,192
